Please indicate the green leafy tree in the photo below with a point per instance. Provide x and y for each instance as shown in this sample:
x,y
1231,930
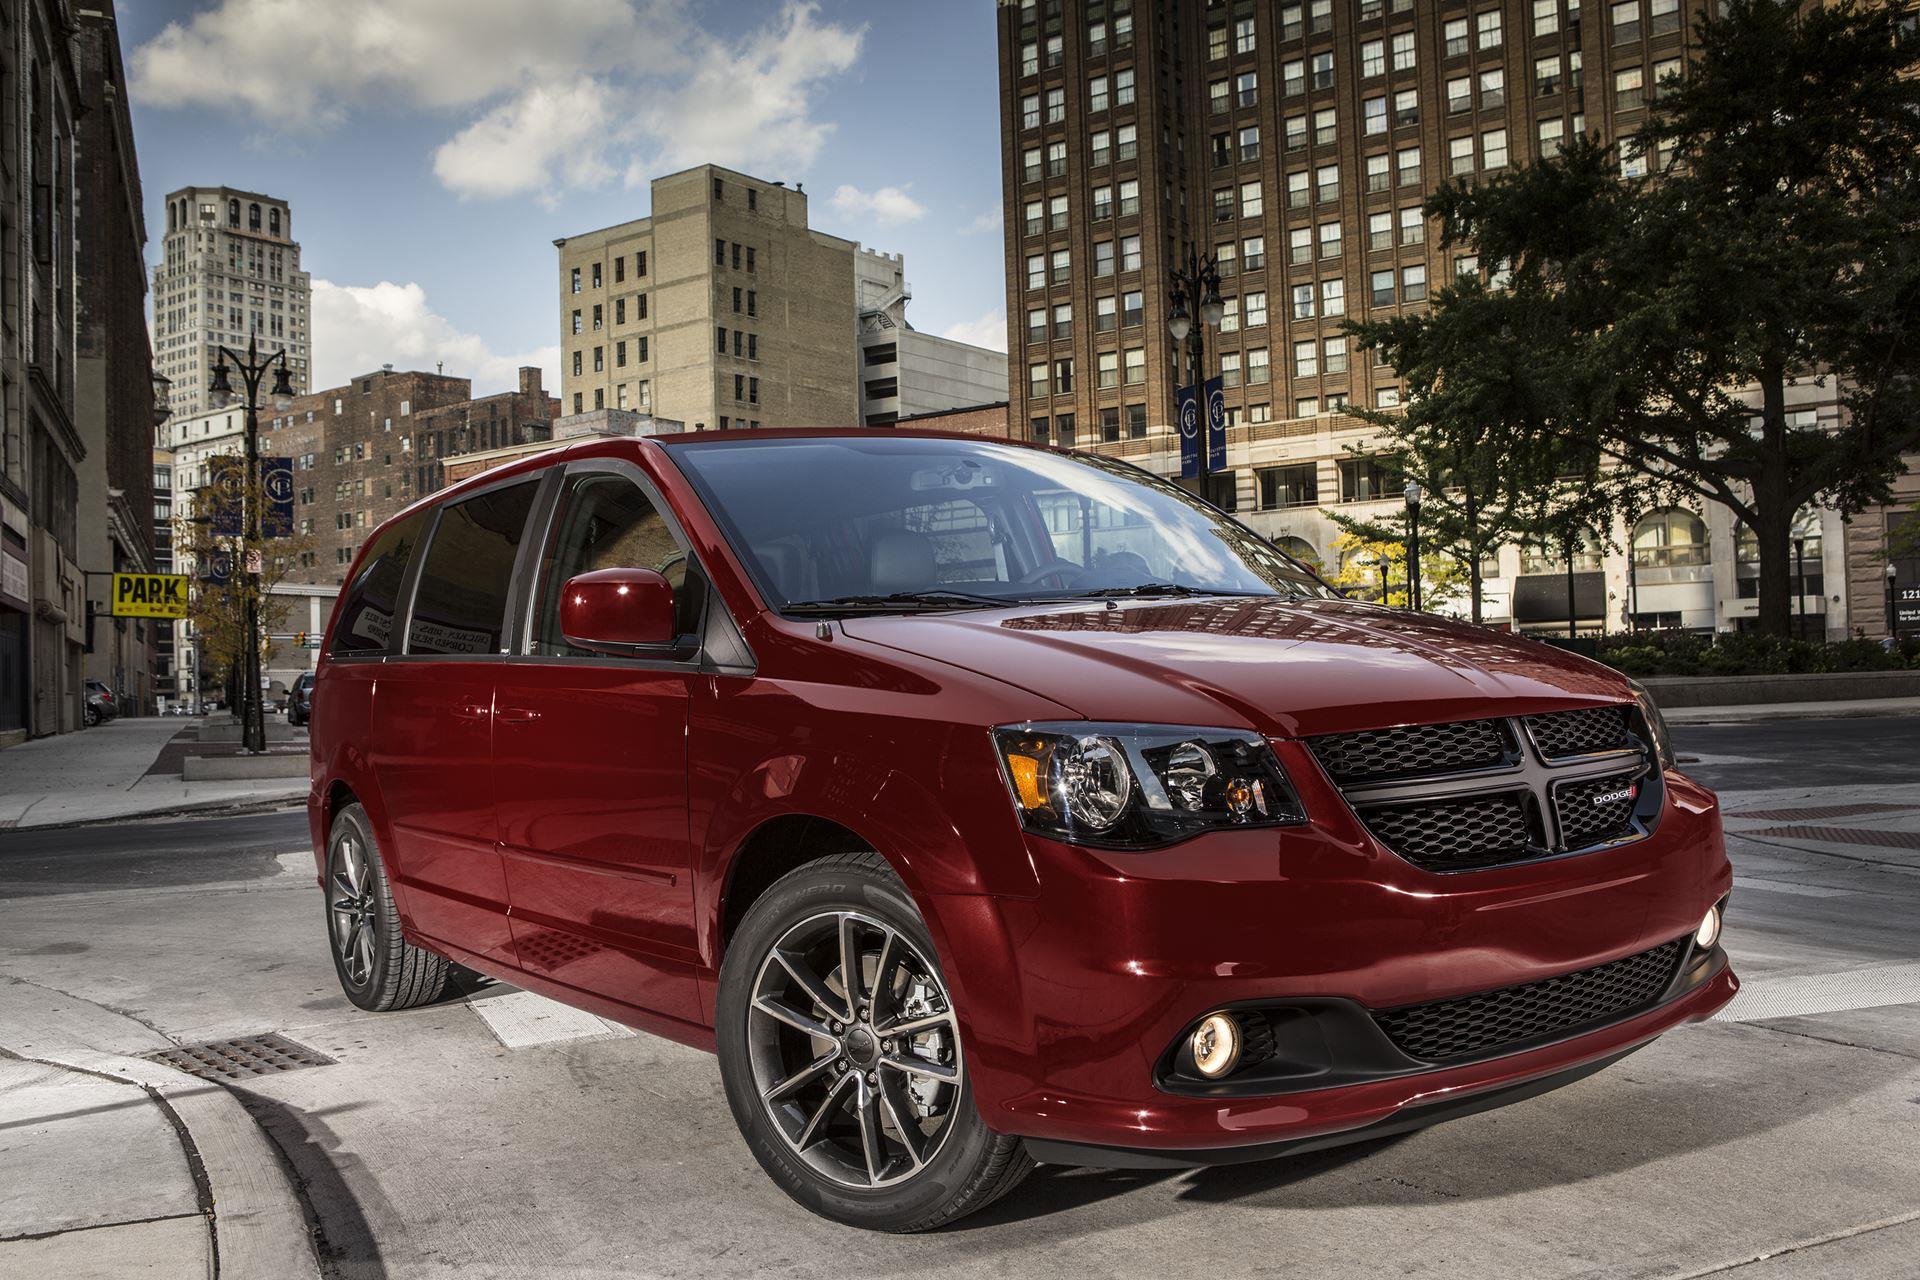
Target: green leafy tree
x,y
1773,240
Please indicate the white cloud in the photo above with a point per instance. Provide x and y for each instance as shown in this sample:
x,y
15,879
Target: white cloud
x,y
747,104
989,331
541,138
889,206
547,95
358,328
989,220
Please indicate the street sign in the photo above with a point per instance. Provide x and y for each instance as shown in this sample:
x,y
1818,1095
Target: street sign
x,y
149,595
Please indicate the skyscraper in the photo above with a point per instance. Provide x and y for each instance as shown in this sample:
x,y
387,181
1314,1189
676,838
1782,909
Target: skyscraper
x,y
1295,141
230,271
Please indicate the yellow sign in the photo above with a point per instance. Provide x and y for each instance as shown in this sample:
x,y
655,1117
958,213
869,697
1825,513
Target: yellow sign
x,y
149,595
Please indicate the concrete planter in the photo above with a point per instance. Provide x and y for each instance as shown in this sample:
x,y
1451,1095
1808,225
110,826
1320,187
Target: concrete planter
x,y
290,764
1742,691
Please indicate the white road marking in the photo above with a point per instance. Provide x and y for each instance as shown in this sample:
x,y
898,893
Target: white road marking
x,y
1797,996
521,1020
1781,886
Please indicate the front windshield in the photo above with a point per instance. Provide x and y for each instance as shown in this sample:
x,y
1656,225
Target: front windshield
x,y
877,521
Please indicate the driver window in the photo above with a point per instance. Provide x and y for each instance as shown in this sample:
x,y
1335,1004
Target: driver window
x,y
607,522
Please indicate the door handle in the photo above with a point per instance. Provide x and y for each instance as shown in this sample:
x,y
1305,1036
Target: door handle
x,y
518,715
472,711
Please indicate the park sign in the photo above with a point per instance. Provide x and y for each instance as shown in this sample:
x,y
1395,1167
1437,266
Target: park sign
x,y
149,595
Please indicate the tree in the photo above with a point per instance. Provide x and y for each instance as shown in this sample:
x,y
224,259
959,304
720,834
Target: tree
x,y
217,597
1773,241
1362,558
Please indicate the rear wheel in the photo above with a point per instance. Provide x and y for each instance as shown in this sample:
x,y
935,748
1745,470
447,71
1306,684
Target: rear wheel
x,y
840,1051
378,969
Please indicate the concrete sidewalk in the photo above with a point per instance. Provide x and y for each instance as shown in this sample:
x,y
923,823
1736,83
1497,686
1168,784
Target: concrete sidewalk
x,y
112,1165
108,773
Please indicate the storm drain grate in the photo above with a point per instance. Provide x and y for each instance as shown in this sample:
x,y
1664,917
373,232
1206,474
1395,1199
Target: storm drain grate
x,y
241,1058
1821,811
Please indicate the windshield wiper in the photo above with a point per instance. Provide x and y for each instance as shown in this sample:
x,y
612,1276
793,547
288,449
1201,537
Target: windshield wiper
x,y
898,602
1159,589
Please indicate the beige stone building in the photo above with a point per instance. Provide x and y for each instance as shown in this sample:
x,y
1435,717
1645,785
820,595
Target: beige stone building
x,y
722,308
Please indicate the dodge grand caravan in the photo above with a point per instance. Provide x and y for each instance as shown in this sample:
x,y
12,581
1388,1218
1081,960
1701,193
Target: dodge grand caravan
x,y
983,805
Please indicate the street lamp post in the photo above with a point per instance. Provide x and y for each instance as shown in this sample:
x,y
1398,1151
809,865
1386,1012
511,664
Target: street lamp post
x,y
253,732
1412,495
1893,609
1800,585
1199,283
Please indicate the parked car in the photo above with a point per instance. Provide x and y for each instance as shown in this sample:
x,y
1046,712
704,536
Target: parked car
x,y
300,699
982,804
101,705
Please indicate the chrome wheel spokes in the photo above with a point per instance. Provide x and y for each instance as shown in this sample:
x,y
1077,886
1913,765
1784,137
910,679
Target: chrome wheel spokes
x,y
351,909
855,1049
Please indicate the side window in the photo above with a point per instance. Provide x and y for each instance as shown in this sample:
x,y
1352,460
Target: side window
x,y
608,522
367,604
461,603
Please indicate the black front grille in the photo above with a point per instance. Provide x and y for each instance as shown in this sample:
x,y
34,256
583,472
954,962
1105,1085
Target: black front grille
x,y
1408,750
1475,1025
1577,733
1596,810
1456,835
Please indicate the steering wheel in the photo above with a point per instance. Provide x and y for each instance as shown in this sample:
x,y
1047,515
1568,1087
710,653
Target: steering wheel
x,y
1053,567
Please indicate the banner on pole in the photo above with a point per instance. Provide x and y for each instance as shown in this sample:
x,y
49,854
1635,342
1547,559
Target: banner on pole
x,y
1216,425
1187,414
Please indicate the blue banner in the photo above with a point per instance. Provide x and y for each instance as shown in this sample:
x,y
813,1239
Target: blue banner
x,y
217,569
226,495
1187,414
276,510
1216,425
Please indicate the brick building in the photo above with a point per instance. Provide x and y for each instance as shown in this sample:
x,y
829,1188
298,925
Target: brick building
x,y
721,308
354,452
522,416
973,420
114,389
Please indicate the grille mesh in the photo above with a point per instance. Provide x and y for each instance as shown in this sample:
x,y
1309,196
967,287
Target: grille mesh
x,y
1472,1025
1455,835
1412,749
1573,733
1585,819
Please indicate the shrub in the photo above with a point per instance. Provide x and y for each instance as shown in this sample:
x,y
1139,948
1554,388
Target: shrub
x,y
1686,653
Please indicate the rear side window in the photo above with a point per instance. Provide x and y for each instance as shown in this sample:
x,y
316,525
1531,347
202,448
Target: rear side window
x,y
460,606
368,604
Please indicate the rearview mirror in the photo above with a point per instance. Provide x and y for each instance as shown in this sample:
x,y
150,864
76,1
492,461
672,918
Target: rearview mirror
x,y
616,611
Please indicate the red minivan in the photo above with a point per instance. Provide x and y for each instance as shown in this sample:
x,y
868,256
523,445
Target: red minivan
x,y
983,805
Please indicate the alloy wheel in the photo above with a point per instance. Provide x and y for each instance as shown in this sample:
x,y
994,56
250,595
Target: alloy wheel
x,y
351,908
855,1049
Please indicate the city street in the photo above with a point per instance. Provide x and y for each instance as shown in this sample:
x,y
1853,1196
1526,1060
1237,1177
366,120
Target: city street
x,y
497,1134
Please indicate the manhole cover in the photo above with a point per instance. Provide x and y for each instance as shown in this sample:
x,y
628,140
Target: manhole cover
x,y
241,1057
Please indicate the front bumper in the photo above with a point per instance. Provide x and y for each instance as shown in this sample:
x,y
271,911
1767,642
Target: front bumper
x,y
1072,999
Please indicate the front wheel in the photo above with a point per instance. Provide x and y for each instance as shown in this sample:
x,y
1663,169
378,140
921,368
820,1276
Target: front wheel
x,y
378,968
840,1051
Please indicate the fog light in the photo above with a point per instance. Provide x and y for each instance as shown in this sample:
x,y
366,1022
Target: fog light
x,y
1709,931
1216,1045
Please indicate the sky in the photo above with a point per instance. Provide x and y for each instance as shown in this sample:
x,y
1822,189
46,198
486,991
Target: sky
x,y
432,150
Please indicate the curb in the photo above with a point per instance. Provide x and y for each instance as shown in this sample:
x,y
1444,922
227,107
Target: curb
x,y
229,808
259,1227
1748,714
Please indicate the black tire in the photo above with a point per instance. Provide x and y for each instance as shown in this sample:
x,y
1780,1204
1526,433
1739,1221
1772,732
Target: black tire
x,y
397,974
972,1166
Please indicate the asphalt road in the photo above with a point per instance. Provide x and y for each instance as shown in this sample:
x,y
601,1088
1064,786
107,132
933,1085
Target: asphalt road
x,y
495,1134
151,854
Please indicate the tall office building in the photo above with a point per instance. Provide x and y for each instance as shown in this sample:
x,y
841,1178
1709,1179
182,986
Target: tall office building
x,y
721,308
1296,141
229,272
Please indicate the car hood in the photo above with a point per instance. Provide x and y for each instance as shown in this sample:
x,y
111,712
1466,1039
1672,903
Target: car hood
x,y
1286,667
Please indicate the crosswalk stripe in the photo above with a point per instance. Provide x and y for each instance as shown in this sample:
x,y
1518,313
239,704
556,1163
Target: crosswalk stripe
x,y
1799,995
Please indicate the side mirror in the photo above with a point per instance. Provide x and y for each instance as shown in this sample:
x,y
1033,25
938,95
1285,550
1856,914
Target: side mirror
x,y
615,611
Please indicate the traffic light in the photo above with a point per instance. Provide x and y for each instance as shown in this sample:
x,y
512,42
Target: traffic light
x,y
300,640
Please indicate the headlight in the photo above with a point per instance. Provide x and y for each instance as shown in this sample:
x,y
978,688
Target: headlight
x,y
1135,786
1656,724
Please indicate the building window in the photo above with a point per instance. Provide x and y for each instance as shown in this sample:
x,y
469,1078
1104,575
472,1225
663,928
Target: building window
x,y
1379,231
1488,33
1063,377
1137,421
1100,147
1546,17
1626,21
1454,38
1413,282
1628,89
1459,95
1303,302
1329,239
1673,539
1407,167
1133,309
1256,310
1230,369
1368,480
1056,106
1136,366
1259,368
1406,108
1373,58
1334,355
1129,253
1413,226
1326,183
1333,297
1546,76
1403,51
576,279
1382,287
1250,204
1663,16
1460,156
1373,116
1290,486
1306,358
1106,369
